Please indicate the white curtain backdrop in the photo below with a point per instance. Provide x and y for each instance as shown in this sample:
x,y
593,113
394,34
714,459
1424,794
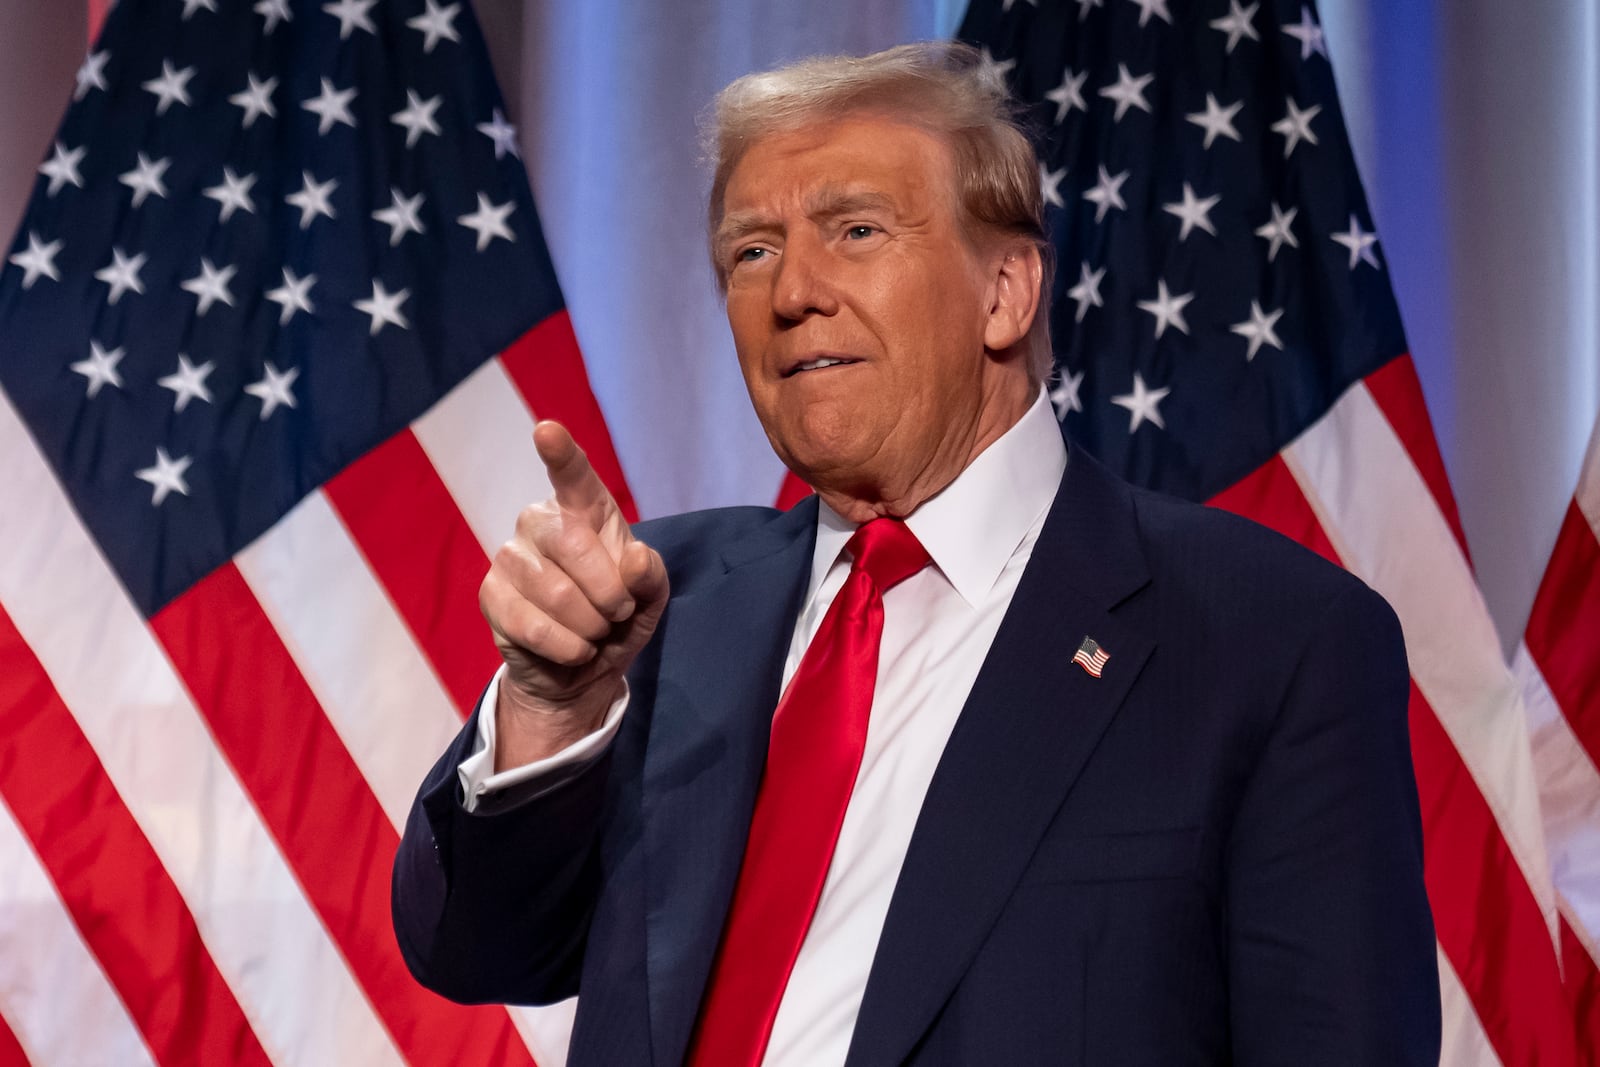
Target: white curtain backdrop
x,y
1476,124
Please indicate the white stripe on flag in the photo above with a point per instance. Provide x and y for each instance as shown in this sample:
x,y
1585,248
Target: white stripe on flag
x,y
480,440
376,688
1465,1044
48,974
99,653
1384,523
1569,793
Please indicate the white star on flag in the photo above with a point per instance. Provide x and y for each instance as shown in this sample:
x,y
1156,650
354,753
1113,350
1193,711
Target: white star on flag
x,y
417,117
1142,404
1193,212
191,6
330,106
1167,309
1069,94
39,258
1050,185
145,179
1085,5
1217,120
1296,126
62,168
1087,291
1237,23
1107,194
384,308
352,15
100,368
172,87
502,133
293,295
1277,232
273,390
435,23
994,69
312,198
1259,330
400,216
256,99
1064,397
1360,243
188,382
1006,4
1309,34
1158,8
210,285
1128,91
233,194
92,75
489,221
122,274
166,476
274,11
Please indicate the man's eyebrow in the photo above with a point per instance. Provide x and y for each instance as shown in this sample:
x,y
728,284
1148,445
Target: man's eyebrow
x,y
832,201
737,225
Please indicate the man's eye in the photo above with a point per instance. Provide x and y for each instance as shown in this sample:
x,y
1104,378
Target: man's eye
x,y
750,255
857,233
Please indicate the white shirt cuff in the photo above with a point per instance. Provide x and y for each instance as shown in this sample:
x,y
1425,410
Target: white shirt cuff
x,y
476,772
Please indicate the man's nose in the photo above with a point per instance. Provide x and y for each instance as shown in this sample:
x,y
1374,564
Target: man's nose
x,y
803,285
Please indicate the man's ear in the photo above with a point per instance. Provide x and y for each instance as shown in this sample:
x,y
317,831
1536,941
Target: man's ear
x,y
1015,296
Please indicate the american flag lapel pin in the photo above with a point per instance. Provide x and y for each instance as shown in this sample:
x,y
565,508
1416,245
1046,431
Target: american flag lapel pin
x,y
1091,657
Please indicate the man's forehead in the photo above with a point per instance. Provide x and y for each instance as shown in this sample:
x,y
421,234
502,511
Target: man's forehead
x,y
847,163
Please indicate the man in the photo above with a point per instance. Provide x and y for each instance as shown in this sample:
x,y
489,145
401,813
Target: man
x,y
1062,771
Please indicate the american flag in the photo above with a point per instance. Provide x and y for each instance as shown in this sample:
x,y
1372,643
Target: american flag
x,y
1091,657
1225,330
273,334
1558,665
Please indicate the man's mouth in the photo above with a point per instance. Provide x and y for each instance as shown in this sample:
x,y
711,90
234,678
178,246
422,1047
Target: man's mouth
x,y
818,364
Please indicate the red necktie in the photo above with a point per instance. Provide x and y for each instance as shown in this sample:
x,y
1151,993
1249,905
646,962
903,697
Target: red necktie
x,y
818,734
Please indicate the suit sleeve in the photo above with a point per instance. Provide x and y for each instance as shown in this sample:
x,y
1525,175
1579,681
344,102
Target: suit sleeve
x,y
494,907
1331,955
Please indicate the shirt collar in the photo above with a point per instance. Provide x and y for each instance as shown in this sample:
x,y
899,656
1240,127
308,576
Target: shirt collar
x,y
974,525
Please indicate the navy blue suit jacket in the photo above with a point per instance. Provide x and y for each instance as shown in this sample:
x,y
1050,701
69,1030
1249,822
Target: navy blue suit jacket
x,y
1210,855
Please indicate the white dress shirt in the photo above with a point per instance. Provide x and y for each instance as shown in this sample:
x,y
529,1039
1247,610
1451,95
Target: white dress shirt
x,y
938,626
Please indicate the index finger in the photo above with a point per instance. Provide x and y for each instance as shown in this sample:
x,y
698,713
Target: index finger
x,y
578,488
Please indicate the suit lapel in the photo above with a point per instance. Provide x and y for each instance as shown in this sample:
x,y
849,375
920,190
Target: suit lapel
x,y
722,654
1029,726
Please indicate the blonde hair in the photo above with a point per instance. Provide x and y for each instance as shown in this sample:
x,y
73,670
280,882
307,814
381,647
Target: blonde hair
x,y
940,86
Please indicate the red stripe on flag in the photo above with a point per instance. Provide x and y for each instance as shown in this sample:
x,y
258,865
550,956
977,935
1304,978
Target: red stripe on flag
x,y
1398,394
1484,914
1582,981
1563,634
1271,496
112,882
547,369
313,799
11,1054
402,518
792,491
97,16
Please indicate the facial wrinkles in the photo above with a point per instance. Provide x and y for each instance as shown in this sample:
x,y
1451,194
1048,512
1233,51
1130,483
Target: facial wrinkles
x,y
909,299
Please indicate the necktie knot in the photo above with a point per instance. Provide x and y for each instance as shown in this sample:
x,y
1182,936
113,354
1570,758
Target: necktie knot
x,y
888,551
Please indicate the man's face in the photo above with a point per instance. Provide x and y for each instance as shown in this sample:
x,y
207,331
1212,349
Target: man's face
x,y
860,312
